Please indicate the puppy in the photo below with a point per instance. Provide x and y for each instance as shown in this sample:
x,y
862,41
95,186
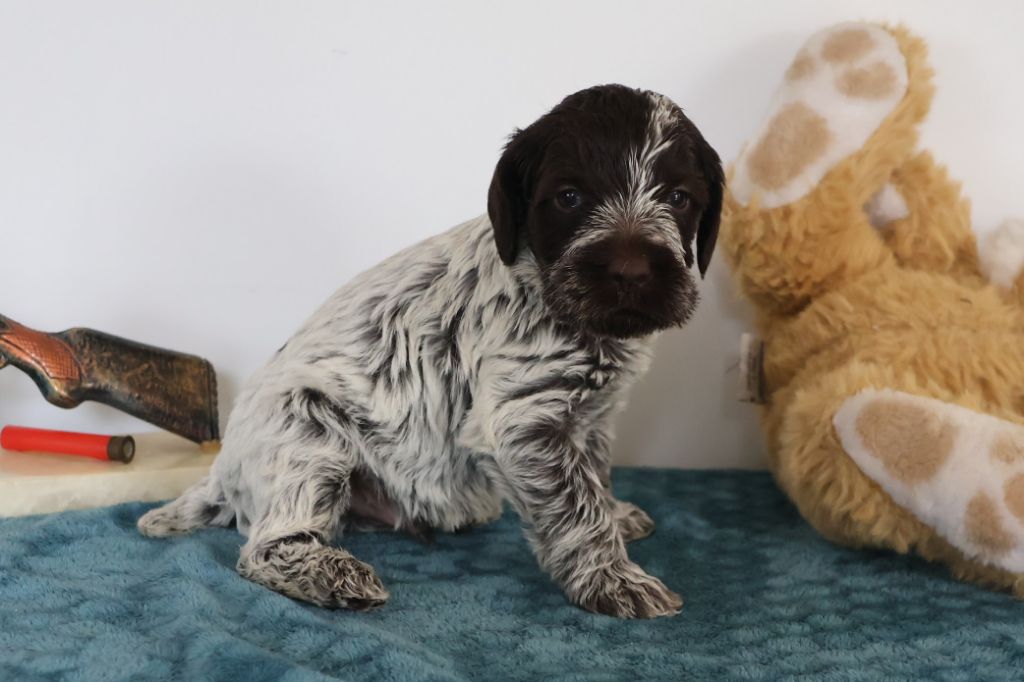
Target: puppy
x,y
482,365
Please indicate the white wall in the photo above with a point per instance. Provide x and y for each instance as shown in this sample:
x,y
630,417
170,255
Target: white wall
x,y
200,175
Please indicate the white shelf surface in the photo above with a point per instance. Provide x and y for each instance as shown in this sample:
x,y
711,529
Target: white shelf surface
x,y
36,483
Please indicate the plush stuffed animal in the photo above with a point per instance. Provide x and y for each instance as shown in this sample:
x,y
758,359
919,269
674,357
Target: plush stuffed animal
x,y
893,362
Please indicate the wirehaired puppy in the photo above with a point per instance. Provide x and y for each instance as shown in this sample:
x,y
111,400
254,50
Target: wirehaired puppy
x,y
482,365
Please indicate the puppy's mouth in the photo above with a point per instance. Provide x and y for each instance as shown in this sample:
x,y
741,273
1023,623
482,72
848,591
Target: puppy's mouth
x,y
626,323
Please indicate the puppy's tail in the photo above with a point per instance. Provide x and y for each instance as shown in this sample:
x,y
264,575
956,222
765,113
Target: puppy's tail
x,y
201,505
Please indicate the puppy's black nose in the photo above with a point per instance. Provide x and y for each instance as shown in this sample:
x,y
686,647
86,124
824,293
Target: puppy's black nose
x,y
630,270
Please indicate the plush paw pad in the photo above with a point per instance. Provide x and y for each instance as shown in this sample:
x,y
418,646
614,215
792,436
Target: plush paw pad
x,y
959,471
838,90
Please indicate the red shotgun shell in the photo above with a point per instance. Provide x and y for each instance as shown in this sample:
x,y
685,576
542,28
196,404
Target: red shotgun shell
x,y
116,448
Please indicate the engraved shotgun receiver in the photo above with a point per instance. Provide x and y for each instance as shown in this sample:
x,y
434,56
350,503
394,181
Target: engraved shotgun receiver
x,y
172,390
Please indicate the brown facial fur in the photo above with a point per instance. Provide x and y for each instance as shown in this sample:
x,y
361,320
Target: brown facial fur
x,y
586,144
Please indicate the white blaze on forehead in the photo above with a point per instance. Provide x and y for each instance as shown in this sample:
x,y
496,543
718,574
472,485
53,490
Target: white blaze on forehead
x,y
636,207
664,114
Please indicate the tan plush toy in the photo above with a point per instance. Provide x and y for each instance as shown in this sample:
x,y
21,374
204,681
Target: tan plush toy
x,y
894,356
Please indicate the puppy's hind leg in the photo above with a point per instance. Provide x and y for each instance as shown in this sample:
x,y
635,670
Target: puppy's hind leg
x,y
201,505
289,547
289,552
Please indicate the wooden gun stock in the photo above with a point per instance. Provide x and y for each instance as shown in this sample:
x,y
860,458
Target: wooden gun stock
x,y
172,390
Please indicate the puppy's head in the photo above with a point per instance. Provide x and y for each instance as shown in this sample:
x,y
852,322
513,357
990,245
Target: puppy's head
x,y
609,191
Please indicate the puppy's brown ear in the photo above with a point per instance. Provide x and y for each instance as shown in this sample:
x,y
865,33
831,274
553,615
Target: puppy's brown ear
x,y
509,196
707,231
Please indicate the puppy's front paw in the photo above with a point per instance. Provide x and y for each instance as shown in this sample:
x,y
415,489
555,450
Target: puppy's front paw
x,y
342,581
325,576
625,591
633,522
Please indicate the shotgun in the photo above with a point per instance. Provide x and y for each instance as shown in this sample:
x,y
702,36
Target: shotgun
x,y
172,390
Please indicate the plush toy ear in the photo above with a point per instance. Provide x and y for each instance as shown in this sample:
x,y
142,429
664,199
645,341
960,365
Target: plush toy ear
x,y
509,196
707,231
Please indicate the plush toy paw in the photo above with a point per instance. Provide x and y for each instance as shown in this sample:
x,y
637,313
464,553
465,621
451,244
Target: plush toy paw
x,y
959,471
836,93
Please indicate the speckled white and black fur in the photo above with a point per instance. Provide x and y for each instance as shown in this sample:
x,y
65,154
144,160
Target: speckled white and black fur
x,y
457,375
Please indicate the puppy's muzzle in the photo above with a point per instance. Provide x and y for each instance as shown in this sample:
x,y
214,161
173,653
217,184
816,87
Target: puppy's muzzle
x,y
630,269
630,265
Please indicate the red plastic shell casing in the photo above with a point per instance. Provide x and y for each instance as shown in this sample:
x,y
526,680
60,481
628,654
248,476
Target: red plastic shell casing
x,y
23,439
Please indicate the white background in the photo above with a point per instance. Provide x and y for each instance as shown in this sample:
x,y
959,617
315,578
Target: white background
x,y
201,175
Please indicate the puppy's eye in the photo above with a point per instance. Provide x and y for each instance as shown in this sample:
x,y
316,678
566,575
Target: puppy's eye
x,y
569,199
678,199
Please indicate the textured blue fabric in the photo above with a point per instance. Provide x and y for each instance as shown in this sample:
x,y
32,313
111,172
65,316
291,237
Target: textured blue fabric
x,y
84,597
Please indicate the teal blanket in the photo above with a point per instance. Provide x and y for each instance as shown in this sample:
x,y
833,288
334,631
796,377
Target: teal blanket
x,y
84,597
